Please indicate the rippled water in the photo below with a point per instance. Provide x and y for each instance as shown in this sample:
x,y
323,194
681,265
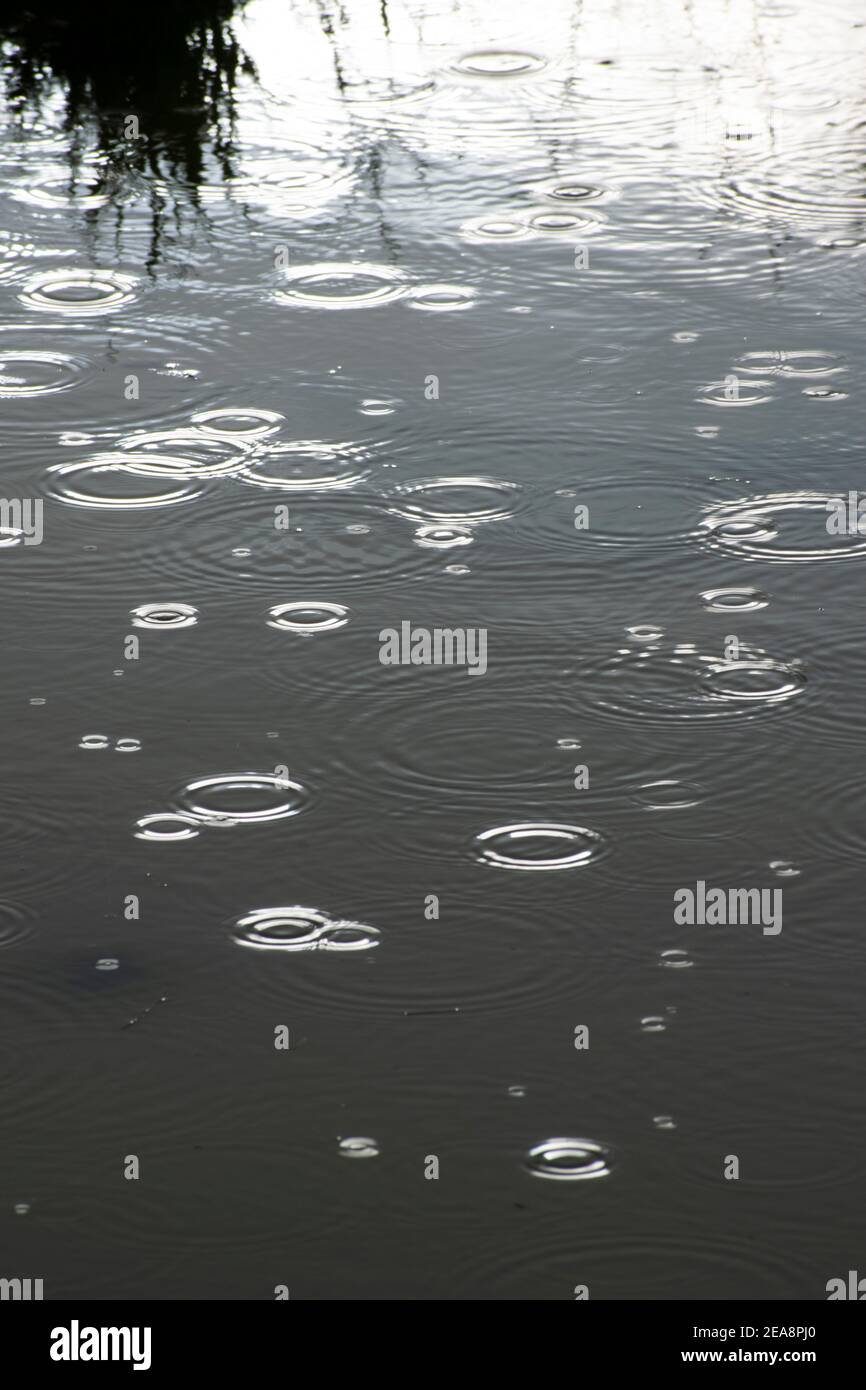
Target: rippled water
x,y
543,323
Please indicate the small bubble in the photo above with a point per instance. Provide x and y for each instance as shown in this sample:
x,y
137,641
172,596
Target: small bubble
x,y
675,959
569,1159
107,963
783,869
359,1147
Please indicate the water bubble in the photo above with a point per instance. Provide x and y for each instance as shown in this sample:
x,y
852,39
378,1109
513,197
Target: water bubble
x,y
107,963
824,393
302,929
457,569
653,1023
517,1092
359,1147
675,959
342,285
568,744
128,745
645,633
374,407
783,869
164,615
540,845
78,292
306,618
21,1208
11,535
93,741
664,1122
242,798
569,1160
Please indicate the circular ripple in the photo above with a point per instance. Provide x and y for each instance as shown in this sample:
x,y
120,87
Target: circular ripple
x,y
302,929
812,185
734,600
551,223
112,486
164,615
443,537
622,510
237,798
738,393
782,528
342,285
14,924
249,423
498,63
441,298
78,292
306,618
801,365
26,372
569,1160
180,453
539,845
306,466
464,500
55,191
495,229
677,682
166,826
669,795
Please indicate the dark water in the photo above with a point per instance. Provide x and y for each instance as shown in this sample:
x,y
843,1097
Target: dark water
x,y
376,298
